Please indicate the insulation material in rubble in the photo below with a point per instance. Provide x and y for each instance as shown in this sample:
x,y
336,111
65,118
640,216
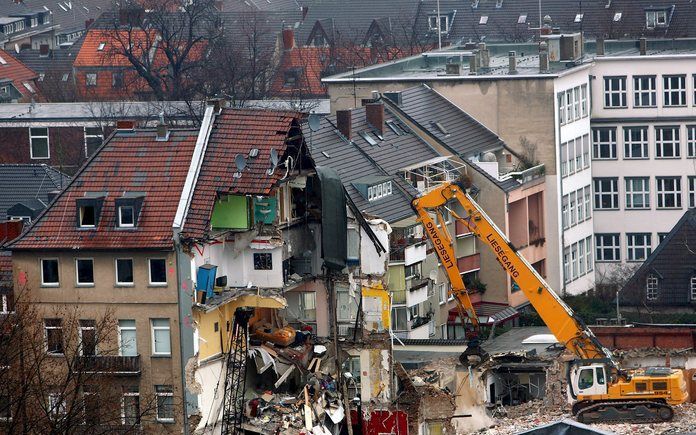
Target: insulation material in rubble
x,y
469,399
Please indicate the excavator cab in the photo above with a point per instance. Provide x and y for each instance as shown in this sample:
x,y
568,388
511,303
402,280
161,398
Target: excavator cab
x,y
590,380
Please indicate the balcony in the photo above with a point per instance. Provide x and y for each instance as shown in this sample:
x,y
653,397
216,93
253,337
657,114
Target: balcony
x,y
470,263
419,328
109,365
403,245
461,230
417,290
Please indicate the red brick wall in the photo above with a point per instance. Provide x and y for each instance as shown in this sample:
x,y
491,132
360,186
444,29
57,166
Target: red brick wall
x,y
643,337
66,145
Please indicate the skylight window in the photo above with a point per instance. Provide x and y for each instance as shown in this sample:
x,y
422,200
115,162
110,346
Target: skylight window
x,y
395,128
2,61
483,20
578,18
522,19
440,127
617,17
65,77
368,138
101,46
29,87
60,5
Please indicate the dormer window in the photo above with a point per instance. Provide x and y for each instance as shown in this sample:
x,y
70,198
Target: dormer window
x,y
444,23
126,216
655,18
88,217
89,210
651,287
378,191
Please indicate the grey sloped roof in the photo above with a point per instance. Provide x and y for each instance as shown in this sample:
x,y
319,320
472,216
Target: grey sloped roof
x,y
673,262
260,5
597,19
357,161
71,16
28,183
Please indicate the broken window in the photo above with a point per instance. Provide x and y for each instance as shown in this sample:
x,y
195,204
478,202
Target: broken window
x,y
263,261
347,306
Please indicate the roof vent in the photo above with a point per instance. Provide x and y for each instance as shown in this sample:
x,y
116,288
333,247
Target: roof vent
x,y
253,152
240,163
124,127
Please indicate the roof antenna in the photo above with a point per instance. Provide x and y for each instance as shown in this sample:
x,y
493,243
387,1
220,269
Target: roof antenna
x,y
274,161
240,162
161,117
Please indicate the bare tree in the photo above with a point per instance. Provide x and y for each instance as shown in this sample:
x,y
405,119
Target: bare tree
x,y
58,375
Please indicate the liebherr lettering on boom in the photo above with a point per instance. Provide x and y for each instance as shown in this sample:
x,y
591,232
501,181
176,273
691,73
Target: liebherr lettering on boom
x,y
601,390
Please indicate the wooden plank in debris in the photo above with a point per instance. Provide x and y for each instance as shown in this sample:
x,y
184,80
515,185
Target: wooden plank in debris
x,y
284,376
307,410
317,366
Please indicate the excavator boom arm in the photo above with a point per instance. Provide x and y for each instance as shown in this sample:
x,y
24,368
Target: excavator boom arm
x,y
559,317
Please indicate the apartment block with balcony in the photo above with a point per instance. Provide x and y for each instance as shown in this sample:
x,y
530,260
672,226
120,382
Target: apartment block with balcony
x,y
104,251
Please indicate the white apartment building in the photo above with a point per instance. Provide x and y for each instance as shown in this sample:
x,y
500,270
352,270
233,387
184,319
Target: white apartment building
x,y
643,150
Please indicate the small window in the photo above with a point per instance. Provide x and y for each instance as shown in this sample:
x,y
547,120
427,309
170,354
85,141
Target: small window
x,y
617,17
124,271
38,143
483,20
263,261
126,216
651,287
56,403
88,338
5,408
49,272
127,340
444,23
600,375
692,288
368,138
161,341
94,136
91,79
578,18
84,268
29,87
88,216
65,77
101,46
165,403
158,271
522,19
54,336
655,19
130,406
3,61
440,127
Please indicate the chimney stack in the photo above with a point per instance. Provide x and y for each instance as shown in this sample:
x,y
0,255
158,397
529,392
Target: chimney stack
x,y
543,56
10,230
344,122
643,44
43,50
512,62
600,47
374,113
288,39
125,126
474,63
88,23
485,55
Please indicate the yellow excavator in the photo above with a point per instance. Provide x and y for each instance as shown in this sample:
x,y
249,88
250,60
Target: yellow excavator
x,y
600,389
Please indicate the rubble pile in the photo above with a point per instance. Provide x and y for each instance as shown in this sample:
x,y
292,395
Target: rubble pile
x,y
533,414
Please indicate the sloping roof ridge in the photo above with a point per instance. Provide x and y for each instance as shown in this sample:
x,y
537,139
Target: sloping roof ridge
x,y
21,63
287,113
689,217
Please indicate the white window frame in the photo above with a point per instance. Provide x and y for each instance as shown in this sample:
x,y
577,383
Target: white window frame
x,y
43,282
634,192
599,194
56,405
118,281
663,144
122,328
608,243
77,274
432,23
91,80
599,143
121,224
583,101
91,136
566,265
123,406
655,18
393,318
81,330
574,261
691,141
572,208
46,341
588,201
632,246
149,272
576,103
565,206
692,288
691,183
33,136
159,394
580,207
678,93
5,304
652,287
561,108
82,212
615,86
663,192
167,328
640,139
644,88
588,254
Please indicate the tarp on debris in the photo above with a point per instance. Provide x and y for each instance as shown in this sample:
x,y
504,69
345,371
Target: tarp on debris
x,y
333,218
564,427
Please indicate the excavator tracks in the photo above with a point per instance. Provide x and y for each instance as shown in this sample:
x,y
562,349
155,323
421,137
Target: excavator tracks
x,y
642,411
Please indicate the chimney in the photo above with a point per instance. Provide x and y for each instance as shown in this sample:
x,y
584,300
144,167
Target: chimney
x,y
485,55
474,63
43,50
374,113
218,104
344,121
162,132
543,57
125,127
600,47
643,44
512,62
10,230
88,23
288,39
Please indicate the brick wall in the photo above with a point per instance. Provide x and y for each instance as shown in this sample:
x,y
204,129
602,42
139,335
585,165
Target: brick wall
x,y
644,337
66,146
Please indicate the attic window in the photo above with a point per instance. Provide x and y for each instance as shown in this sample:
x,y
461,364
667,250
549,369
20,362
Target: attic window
x,y
522,19
578,18
651,287
656,18
444,23
88,211
483,20
126,216
368,138
101,46
395,128
128,209
379,191
88,218
3,61
290,78
440,127
617,17
692,288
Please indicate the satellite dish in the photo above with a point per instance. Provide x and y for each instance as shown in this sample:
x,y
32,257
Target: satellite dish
x,y
16,48
240,162
314,122
489,157
274,157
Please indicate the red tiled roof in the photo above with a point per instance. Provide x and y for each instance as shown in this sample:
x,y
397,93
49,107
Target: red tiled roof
x,y
126,163
14,70
90,55
237,131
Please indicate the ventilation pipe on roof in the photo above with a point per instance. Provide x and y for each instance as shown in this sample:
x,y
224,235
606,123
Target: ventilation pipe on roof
x,y
643,45
600,47
512,62
344,122
162,129
374,113
543,56
218,104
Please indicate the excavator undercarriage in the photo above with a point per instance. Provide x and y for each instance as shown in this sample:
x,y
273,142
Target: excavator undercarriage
x,y
617,411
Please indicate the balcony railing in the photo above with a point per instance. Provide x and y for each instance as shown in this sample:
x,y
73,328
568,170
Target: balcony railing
x,y
399,240
469,263
110,364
